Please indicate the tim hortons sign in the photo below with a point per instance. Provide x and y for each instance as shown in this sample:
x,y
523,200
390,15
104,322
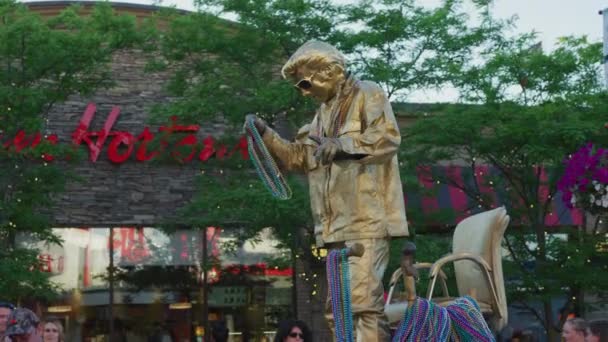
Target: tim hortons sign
x,y
122,145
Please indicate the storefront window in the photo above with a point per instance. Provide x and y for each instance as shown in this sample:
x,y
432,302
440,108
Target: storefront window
x,y
157,290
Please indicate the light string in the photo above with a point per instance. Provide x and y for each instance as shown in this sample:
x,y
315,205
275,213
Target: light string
x,y
264,163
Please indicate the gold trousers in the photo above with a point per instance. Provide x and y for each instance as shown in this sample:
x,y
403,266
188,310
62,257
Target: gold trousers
x,y
367,293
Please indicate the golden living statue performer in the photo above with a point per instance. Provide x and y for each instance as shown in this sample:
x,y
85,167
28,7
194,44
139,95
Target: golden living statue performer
x,y
349,152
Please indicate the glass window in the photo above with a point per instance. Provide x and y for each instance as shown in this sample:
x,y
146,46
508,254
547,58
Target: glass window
x,y
157,286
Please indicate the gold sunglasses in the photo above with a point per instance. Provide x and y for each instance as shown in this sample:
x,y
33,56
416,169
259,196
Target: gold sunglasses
x,y
305,83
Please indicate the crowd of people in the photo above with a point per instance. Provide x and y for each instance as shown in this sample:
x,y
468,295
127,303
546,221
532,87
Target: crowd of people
x,y
574,330
579,330
23,325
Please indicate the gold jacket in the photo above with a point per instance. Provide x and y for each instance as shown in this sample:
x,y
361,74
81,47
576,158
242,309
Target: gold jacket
x,y
351,199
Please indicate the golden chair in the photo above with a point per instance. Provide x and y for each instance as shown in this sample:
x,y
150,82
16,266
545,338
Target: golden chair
x,y
476,253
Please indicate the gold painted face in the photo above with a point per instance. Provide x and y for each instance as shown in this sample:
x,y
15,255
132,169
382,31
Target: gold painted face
x,y
312,83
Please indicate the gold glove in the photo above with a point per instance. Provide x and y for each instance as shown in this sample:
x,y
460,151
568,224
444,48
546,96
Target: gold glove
x,y
327,150
259,124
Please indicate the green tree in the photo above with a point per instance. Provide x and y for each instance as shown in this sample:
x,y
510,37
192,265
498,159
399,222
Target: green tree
x,y
242,59
216,61
225,70
530,110
42,61
405,46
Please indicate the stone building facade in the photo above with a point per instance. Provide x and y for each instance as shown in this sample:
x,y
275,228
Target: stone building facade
x,y
133,192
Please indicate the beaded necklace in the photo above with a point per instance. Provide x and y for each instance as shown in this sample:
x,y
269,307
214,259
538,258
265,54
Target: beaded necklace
x,y
338,278
468,322
460,321
264,164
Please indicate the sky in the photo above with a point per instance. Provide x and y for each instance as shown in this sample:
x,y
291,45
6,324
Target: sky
x,y
550,18
553,19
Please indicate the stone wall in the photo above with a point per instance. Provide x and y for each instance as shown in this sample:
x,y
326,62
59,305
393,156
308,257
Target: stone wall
x,y
133,192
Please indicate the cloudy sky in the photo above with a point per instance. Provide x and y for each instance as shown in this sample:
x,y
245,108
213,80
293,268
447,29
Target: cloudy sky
x,y
553,19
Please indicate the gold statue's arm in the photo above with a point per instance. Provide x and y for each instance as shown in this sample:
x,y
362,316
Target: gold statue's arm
x,y
381,138
293,155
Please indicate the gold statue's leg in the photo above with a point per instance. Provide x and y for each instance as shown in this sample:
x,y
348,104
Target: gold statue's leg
x,y
366,273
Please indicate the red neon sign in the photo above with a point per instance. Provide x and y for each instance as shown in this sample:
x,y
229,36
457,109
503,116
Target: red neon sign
x,y
50,263
122,144
130,244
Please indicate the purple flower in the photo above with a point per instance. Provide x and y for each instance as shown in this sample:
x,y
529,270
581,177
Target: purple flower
x,y
586,172
601,175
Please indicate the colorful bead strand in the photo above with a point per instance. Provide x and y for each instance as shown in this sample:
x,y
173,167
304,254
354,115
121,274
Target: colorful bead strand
x,y
338,278
348,314
459,321
264,163
333,278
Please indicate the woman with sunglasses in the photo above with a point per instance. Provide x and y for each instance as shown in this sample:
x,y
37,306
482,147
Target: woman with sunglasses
x,y
52,331
292,331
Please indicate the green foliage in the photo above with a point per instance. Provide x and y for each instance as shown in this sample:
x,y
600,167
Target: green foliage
x,y
429,248
526,109
18,281
42,62
177,278
217,61
235,198
518,71
534,109
405,46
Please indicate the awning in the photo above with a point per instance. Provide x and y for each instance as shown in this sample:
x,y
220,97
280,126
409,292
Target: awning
x,y
444,204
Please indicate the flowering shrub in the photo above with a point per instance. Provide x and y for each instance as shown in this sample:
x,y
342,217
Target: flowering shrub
x,y
584,183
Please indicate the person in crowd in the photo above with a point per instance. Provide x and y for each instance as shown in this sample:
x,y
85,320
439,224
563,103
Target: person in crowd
x,y
293,331
523,336
120,334
52,330
5,310
575,330
160,334
598,331
219,331
23,326
133,335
